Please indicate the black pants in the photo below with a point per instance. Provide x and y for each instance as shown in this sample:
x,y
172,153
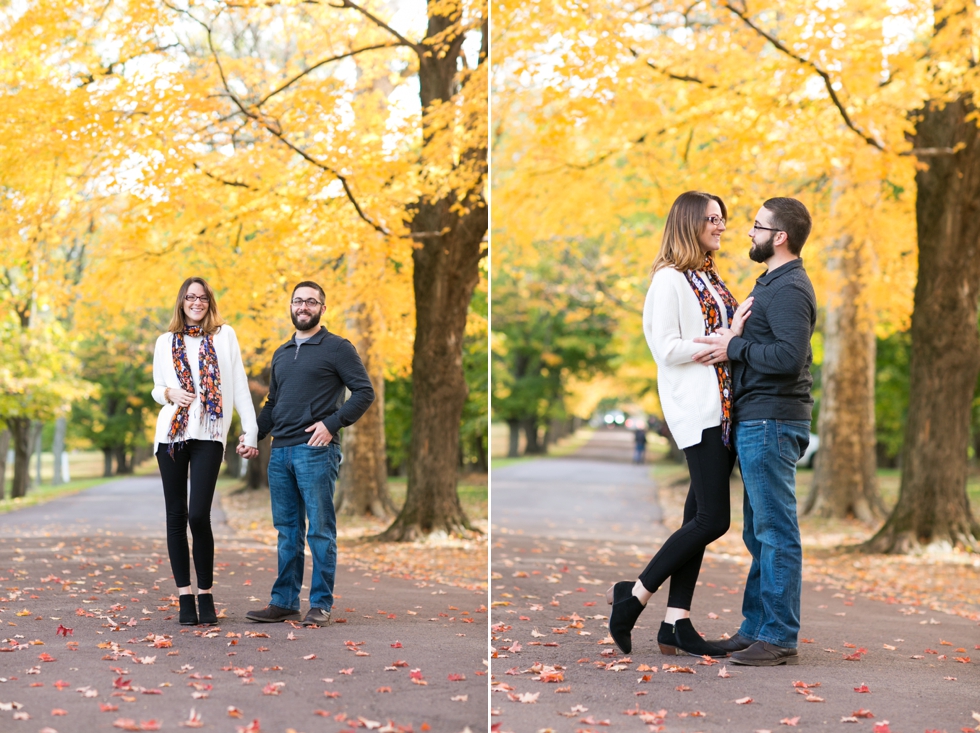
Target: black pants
x,y
203,458
707,516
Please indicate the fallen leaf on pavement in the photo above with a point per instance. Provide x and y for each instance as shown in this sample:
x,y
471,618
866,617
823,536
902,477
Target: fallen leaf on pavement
x,y
743,701
790,721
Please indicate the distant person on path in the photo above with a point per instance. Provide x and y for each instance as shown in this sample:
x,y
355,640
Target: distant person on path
x,y
687,299
304,412
640,438
771,375
199,378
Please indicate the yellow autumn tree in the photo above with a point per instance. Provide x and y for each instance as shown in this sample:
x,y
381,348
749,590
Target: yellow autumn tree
x,y
258,144
862,110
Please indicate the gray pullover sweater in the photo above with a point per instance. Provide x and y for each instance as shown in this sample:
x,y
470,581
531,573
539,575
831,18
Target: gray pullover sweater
x,y
771,360
307,386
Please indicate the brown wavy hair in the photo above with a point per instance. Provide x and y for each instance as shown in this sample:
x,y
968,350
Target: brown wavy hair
x,y
211,321
685,222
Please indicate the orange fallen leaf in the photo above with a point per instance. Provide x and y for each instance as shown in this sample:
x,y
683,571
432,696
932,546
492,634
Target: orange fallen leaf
x,y
743,701
790,721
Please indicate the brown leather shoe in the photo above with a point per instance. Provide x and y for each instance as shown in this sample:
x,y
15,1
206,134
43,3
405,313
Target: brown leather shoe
x,y
273,614
764,654
733,643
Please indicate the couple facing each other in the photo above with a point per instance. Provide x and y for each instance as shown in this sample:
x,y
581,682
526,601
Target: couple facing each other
x,y
199,378
734,381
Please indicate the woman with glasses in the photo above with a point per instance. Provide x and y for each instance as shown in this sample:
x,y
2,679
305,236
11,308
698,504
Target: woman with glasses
x,y
199,379
687,299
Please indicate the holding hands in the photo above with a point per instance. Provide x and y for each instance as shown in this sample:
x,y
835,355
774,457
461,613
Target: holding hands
x,y
245,451
719,340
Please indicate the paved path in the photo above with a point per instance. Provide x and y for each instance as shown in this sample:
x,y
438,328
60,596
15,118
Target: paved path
x,y
550,570
96,563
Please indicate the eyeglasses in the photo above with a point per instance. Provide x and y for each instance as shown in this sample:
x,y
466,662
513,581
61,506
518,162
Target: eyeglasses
x,y
757,225
715,220
190,298
309,302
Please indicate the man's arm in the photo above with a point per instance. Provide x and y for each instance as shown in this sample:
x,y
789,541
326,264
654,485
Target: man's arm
x,y
355,378
265,417
790,317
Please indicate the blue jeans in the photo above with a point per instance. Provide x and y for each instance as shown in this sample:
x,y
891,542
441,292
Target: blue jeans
x,y
301,484
767,453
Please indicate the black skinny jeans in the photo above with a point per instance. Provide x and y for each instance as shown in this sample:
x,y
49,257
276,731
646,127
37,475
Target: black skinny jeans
x,y
203,458
707,516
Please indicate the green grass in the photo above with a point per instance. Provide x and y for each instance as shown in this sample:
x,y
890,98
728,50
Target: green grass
x,y
503,462
472,496
45,493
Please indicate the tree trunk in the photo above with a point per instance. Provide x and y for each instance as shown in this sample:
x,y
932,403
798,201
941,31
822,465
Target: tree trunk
x,y
362,487
233,461
123,466
845,480
257,471
20,429
106,462
58,450
514,434
532,446
482,461
450,233
4,448
36,429
933,507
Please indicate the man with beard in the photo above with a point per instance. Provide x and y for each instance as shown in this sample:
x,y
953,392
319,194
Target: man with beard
x,y
771,429
304,412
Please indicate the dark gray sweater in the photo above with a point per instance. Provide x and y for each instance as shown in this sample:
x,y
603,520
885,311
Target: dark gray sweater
x,y
307,386
771,360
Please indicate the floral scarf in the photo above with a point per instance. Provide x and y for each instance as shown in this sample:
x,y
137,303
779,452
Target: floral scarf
x,y
712,322
210,395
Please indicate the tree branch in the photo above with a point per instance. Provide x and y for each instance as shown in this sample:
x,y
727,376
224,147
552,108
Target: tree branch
x,y
823,74
318,64
381,24
276,131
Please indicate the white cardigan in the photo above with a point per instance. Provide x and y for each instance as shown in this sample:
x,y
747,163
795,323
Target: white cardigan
x,y
234,387
689,395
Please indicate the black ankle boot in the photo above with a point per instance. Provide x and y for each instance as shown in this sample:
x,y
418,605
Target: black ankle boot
x,y
620,591
667,639
622,618
188,610
689,641
205,604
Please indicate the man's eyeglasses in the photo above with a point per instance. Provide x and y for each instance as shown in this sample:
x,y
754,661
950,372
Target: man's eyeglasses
x,y
757,225
309,302
715,220
190,298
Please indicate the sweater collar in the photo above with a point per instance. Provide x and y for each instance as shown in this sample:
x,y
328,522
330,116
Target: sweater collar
x,y
314,339
781,270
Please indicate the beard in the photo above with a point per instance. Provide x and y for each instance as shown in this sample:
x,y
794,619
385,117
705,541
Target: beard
x,y
313,322
762,251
